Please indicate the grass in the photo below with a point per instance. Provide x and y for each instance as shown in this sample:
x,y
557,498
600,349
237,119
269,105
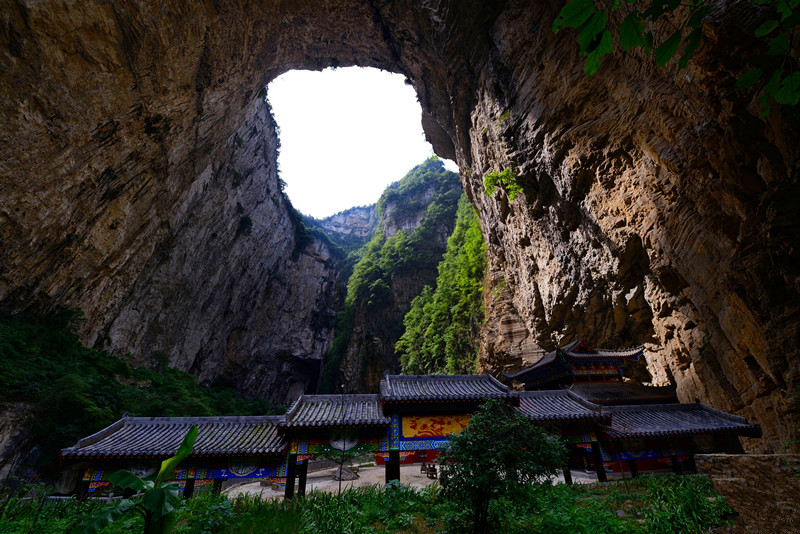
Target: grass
x,y
667,504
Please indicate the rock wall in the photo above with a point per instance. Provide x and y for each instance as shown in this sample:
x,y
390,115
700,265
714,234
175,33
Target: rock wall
x,y
768,508
657,207
357,222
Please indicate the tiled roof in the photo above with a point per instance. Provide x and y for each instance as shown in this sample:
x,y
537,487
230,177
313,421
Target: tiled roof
x,y
573,351
578,349
557,405
624,393
662,420
334,411
442,388
161,436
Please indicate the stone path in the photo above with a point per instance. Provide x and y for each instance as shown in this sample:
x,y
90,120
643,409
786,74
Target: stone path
x,y
367,476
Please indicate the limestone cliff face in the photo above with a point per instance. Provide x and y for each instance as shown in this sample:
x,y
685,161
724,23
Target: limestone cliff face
x,y
657,207
358,222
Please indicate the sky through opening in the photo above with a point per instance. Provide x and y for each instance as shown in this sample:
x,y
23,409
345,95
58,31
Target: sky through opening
x,y
345,135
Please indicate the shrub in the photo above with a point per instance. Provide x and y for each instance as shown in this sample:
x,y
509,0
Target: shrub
x,y
497,456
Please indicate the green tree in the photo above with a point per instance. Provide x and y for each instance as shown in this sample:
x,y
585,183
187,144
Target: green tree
x,y
498,455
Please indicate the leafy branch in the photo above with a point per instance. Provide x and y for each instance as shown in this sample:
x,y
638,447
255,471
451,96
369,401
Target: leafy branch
x,y
158,502
774,72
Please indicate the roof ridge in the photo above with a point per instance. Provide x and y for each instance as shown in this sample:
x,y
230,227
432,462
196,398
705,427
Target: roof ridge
x,y
293,408
497,383
583,402
99,435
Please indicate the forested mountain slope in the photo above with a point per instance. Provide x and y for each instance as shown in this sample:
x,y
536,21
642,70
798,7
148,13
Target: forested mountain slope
x,y
416,216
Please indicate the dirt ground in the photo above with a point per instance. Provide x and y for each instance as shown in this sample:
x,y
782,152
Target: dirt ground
x,y
367,476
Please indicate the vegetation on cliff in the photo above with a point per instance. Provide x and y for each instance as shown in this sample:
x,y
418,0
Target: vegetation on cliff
x,y
442,329
399,249
75,391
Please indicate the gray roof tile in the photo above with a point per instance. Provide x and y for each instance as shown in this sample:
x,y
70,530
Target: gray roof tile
x,y
442,388
624,393
335,411
161,436
557,405
576,351
662,420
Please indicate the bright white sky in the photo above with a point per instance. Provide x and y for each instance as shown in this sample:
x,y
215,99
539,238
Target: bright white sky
x,y
345,135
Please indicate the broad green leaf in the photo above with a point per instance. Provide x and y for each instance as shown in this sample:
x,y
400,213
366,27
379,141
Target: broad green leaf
x,y
649,40
574,14
791,21
789,90
185,449
659,7
749,78
785,8
631,32
162,501
778,45
589,36
692,42
769,91
697,17
127,480
102,518
766,28
603,48
667,49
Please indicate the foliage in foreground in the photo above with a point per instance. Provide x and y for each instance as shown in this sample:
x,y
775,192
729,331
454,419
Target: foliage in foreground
x,y
76,391
661,505
158,501
498,456
773,69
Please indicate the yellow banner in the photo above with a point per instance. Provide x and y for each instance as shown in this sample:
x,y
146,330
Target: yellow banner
x,y
436,426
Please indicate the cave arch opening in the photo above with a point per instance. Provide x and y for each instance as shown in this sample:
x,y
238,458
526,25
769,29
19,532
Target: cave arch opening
x,y
345,134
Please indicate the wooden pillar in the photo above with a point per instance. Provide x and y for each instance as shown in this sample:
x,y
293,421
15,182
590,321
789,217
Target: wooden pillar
x,y
597,456
676,465
83,490
217,488
393,465
633,468
690,465
291,469
188,489
301,484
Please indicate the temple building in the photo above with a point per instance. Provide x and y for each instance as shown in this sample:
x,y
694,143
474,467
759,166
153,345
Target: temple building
x,y
226,448
426,409
607,425
575,363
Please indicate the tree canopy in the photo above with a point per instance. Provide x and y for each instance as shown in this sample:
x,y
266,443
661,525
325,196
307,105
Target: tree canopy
x,y
498,455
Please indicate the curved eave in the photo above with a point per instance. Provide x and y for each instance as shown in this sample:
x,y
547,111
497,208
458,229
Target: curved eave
x,y
159,455
459,398
752,431
300,426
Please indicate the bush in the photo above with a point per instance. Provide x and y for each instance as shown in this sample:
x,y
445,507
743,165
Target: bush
x,y
497,456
